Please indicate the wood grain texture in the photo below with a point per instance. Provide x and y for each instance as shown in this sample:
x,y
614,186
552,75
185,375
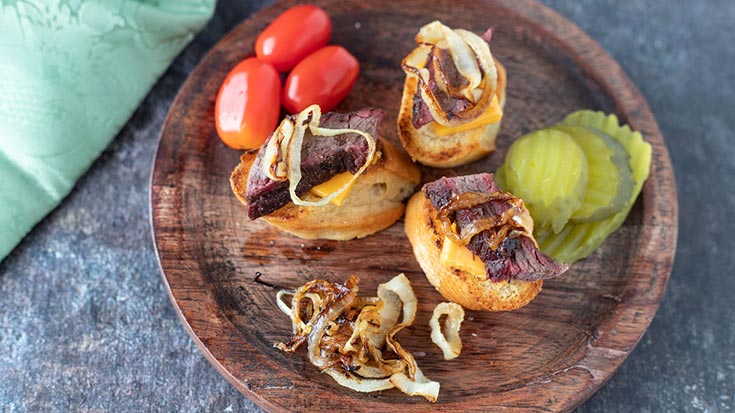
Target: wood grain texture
x,y
548,356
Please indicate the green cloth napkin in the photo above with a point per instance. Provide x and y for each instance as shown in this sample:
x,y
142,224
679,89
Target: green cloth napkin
x,y
71,74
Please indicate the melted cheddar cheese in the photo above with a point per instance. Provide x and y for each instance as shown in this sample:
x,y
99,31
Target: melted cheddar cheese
x,y
493,114
324,189
458,256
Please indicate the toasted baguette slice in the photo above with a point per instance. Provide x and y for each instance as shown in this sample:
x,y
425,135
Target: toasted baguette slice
x,y
461,287
424,146
374,203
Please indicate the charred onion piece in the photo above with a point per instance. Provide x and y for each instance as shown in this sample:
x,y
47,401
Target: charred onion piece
x,y
473,61
352,338
513,221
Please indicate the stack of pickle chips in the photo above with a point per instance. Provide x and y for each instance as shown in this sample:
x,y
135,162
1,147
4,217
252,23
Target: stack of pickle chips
x,y
579,180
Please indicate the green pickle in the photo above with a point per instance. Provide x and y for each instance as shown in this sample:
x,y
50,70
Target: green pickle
x,y
578,239
610,177
549,171
499,178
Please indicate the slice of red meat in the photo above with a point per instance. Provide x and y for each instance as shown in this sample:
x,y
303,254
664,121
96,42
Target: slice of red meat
x,y
517,257
321,159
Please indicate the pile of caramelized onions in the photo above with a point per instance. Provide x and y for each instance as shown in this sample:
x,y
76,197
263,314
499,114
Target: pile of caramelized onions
x,y
513,222
473,61
352,338
282,160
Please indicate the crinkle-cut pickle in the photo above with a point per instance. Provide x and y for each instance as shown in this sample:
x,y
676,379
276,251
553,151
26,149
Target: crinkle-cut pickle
x,y
610,177
499,178
548,170
578,240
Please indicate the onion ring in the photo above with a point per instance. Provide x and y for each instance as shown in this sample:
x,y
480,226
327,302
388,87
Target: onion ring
x,y
447,339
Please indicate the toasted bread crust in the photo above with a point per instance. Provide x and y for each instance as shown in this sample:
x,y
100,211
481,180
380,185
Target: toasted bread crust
x,y
374,203
239,177
445,151
459,286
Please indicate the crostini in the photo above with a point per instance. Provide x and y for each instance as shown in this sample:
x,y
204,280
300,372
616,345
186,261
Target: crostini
x,y
326,176
453,97
474,242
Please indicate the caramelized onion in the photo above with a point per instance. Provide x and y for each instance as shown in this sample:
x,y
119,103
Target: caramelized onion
x,y
447,339
398,291
513,221
353,339
318,329
443,37
419,386
357,383
473,60
282,158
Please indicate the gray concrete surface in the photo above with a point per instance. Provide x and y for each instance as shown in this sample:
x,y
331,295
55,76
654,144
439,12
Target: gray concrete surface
x,y
86,325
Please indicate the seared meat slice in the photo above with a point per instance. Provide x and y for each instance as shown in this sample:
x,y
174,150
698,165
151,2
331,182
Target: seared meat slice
x,y
321,159
516,257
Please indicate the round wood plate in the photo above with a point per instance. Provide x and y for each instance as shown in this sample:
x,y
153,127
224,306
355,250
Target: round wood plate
x,y
550,355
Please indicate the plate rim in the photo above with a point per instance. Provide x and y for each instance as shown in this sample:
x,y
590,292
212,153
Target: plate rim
x,y
628,100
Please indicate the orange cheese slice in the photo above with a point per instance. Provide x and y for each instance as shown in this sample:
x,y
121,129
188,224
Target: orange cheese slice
x,y
458,256
325,189
493,114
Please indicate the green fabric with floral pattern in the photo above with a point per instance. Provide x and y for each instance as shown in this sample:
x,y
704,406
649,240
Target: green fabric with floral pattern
x,y
71,74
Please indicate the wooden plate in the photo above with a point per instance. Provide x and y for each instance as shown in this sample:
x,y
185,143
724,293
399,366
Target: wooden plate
x,y
551,355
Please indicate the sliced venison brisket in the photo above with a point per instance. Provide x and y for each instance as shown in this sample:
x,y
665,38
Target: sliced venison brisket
x,y
517,257
322,157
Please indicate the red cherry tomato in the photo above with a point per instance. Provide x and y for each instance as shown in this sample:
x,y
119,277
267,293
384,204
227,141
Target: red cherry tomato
x,y
325,78
248,104
295,34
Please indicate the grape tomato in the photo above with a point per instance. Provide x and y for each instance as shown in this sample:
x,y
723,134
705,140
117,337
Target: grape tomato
x,y
248,104
292,36
325,77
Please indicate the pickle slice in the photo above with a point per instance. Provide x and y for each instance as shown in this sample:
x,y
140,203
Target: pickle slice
x,y
610,177
499,178
578,240
548,169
